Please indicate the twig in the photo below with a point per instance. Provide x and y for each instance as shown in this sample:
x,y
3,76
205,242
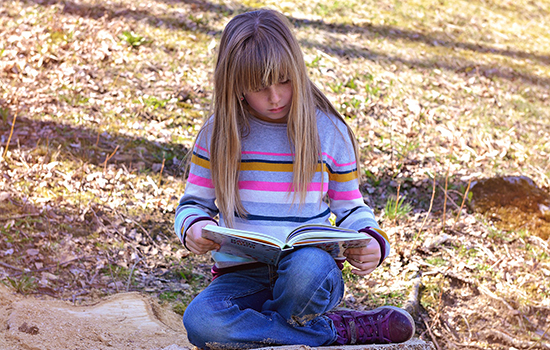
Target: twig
x,y
413,302
430,331
142,228
462,345
130,276
445,201
11,134
11,267
540,340
98,132
508,339
109,157
440,299
468,325
114,81
161,170
111,272
462,205
20,216
426,218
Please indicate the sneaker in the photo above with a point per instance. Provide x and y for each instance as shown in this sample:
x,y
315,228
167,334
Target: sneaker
x,y
383,325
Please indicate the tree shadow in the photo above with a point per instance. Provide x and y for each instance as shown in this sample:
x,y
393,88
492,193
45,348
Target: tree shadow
x,y
349,50
84,145
465,65
432,39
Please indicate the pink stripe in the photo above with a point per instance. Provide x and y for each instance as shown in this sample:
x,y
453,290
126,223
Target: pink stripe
x,y
202,148
270,154
277,186
337,164
200,181
344,195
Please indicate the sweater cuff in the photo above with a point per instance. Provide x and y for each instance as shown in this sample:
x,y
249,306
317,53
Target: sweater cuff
x,y
200,218
381,241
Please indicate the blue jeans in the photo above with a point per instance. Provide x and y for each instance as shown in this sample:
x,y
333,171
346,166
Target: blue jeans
x,y
269,305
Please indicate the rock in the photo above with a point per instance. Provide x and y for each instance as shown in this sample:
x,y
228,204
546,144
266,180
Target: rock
x,y
124,321
413,344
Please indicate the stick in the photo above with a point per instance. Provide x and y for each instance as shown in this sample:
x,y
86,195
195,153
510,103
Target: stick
x,y
430,331
426,218
11,134
11,267
21,216
508,339
141,227
413,301
449,199
540,340
445,201
462,205
130,276
98,132
107,159
161,170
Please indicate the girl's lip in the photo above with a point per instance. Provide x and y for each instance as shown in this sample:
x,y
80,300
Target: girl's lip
x,y
275,110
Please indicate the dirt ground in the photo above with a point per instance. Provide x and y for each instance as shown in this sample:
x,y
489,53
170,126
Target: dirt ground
x,y
123,321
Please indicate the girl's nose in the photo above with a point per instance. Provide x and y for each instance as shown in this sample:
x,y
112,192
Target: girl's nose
x,y
274,96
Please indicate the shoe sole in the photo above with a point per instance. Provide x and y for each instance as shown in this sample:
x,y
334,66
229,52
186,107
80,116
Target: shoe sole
x,y
394,308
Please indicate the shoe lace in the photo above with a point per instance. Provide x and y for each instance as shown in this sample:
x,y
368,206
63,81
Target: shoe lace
x,y
366,328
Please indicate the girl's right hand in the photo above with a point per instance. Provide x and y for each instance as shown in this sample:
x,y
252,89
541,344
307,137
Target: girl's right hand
x,y
194,241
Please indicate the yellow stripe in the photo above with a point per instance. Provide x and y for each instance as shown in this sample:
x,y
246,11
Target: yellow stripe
x,y
200,162
261,166
382,233
342,177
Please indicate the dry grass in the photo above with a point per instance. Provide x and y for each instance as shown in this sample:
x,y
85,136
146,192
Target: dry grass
x,y
107,97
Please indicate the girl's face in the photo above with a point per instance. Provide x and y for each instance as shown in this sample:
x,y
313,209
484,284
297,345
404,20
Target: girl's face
x,y
272,103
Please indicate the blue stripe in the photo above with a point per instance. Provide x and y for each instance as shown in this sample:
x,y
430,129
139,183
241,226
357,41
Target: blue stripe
x,y
200,156
284,162
190,203
252,217
345,217
265,161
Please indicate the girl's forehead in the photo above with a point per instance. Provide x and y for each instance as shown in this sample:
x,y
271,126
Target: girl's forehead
x,y
257,75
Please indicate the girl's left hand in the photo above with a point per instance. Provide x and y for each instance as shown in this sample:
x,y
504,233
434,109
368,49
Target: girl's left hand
x,y
365,259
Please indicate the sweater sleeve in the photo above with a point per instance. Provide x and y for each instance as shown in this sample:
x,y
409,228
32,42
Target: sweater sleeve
x,y
345,199
198,200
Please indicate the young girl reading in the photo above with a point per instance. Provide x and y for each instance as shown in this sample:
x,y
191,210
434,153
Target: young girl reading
x,y
276,154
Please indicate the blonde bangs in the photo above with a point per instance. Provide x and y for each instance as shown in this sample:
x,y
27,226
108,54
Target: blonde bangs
x,y
257,66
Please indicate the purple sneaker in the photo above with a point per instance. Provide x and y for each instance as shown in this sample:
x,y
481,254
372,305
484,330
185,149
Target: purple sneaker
x,y
383,325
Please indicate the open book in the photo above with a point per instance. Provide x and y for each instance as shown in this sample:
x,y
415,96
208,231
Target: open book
x,y
264,248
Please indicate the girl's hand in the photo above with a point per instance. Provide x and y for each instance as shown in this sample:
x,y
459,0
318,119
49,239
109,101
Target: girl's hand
x,y
194,241
365,259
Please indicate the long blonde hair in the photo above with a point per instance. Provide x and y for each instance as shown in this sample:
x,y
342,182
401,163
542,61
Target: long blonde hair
x,y
258,49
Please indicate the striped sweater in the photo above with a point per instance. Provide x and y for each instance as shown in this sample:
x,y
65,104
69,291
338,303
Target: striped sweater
x,y
266,177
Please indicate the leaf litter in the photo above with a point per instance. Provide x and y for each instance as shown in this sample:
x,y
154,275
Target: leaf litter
x,y
107,97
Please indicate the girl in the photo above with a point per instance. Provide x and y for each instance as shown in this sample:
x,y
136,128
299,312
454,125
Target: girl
x,y
276,154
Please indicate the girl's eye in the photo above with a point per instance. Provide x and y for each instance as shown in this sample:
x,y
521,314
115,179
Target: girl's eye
x,y
285,81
